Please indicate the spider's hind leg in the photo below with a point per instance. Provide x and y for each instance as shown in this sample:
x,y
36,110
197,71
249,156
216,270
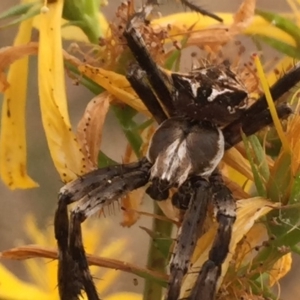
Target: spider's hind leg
x,y
196,193
94,191
225,210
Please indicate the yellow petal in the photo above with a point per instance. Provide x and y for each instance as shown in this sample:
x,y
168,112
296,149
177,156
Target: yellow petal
x,y
248,211
235,159
12,287
74,33
115,84
280,268
125,296
64,149
181,22
13,152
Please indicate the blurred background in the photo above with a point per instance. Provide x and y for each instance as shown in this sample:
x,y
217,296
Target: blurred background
x,y
41,202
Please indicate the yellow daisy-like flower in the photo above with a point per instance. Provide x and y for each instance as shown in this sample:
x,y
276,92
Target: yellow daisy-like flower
x,y
65,151
70,160
43,285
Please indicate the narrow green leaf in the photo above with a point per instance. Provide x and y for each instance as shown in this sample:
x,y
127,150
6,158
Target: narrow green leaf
x,y
105,161
280,46
144,125
150,278
85,81
124,116
280,180
174,59
261,289
258,179
282,23
295,193
260,157
161,242
17,10
29,14
296,250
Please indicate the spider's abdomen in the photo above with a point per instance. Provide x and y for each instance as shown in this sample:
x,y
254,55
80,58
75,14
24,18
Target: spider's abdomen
x,y
181,147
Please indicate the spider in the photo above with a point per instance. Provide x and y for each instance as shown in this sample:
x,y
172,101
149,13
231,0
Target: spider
x,y
200,115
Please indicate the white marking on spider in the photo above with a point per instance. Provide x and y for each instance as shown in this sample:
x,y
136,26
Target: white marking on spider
x,y
193,84
219,155
215,93
174,160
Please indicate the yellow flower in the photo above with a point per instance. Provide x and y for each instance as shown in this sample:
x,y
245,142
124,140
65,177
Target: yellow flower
x,y
43,272
64,149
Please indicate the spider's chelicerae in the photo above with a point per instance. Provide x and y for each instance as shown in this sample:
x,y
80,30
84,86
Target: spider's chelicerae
x,y
200,114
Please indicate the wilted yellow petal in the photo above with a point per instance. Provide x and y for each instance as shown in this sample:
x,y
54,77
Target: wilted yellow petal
x,y
125,296
292,134
235,160
248,211
282,67
180,23
280,268
64,148
115,84
74,33
13,151
89,129
271,104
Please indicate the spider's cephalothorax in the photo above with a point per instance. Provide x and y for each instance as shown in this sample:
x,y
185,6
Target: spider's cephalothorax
x,y
212,93
200,115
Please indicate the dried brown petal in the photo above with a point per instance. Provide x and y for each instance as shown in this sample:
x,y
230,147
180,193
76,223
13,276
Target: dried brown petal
x,y
89,129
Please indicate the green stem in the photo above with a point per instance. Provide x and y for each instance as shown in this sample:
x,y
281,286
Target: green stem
x,y
156,260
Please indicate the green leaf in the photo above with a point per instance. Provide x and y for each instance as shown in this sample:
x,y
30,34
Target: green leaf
x,y
124,115
85,15
258,178
85,81
105,161
260,157
161,242
17,10
281,178
280,46
147,276
282,23
295,192
28,15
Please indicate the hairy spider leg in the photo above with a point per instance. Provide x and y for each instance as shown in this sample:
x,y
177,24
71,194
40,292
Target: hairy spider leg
x,y
201,194
258,115
157,79
196,192
93,191
233,134
225,211
138,81
202,11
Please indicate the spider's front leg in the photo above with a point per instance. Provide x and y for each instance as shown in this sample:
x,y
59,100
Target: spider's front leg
x,y
94,191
